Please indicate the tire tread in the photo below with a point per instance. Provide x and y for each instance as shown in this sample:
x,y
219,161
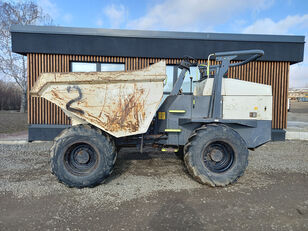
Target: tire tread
x,y
208,179
85,130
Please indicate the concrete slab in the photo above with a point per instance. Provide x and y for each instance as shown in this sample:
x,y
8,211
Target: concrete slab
x,y
297,130
23,135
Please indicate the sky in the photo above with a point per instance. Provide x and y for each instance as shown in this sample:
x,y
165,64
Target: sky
x,y
282,17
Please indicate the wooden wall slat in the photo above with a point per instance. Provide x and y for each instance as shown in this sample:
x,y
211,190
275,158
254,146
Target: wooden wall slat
x,y
29,72
31,111
278,83
282,101
287,65
282,93
41,111
45,101
275,94
29,76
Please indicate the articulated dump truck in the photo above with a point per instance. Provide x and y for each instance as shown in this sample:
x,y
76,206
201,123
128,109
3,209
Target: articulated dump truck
x,y
212,127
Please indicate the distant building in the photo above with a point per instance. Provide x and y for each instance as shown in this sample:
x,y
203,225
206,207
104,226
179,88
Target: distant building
x,y
297,93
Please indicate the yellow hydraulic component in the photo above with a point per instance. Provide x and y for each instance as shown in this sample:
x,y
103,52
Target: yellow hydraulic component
x,y
173,130
169,149
177,111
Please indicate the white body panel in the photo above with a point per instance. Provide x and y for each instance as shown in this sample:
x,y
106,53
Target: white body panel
x,y
240,107
241,99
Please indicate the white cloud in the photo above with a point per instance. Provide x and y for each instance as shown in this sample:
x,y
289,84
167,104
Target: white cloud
x,y
54,11
194,14
49,8
299,75
116,14
284,26
261,5
298,72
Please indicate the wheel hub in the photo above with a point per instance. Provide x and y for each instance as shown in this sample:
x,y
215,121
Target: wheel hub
x,y
216,155
82,157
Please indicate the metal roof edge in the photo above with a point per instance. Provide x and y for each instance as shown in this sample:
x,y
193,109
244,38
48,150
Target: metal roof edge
x,y
155,34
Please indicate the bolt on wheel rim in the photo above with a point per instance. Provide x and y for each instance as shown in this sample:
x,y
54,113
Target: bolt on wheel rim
x,y
80,158
218,156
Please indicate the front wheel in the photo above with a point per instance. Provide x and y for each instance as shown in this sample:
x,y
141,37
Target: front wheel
x,y
216,155
82,156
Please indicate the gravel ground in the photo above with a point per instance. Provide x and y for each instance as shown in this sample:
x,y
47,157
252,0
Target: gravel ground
x,y
154,191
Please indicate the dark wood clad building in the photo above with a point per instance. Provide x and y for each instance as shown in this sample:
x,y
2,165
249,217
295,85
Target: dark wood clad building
x,y
62,49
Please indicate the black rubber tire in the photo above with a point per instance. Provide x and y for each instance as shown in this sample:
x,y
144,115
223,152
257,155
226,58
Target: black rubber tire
x,y
197,150
63,160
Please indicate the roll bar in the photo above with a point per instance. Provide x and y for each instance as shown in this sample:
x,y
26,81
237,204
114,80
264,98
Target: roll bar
x,y
224,57
255,55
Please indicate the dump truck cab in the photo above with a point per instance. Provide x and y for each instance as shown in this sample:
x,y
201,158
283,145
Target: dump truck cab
x,y
246,107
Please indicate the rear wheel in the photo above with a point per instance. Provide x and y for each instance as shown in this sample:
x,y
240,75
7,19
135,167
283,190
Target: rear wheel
x,y
216,155
82,156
